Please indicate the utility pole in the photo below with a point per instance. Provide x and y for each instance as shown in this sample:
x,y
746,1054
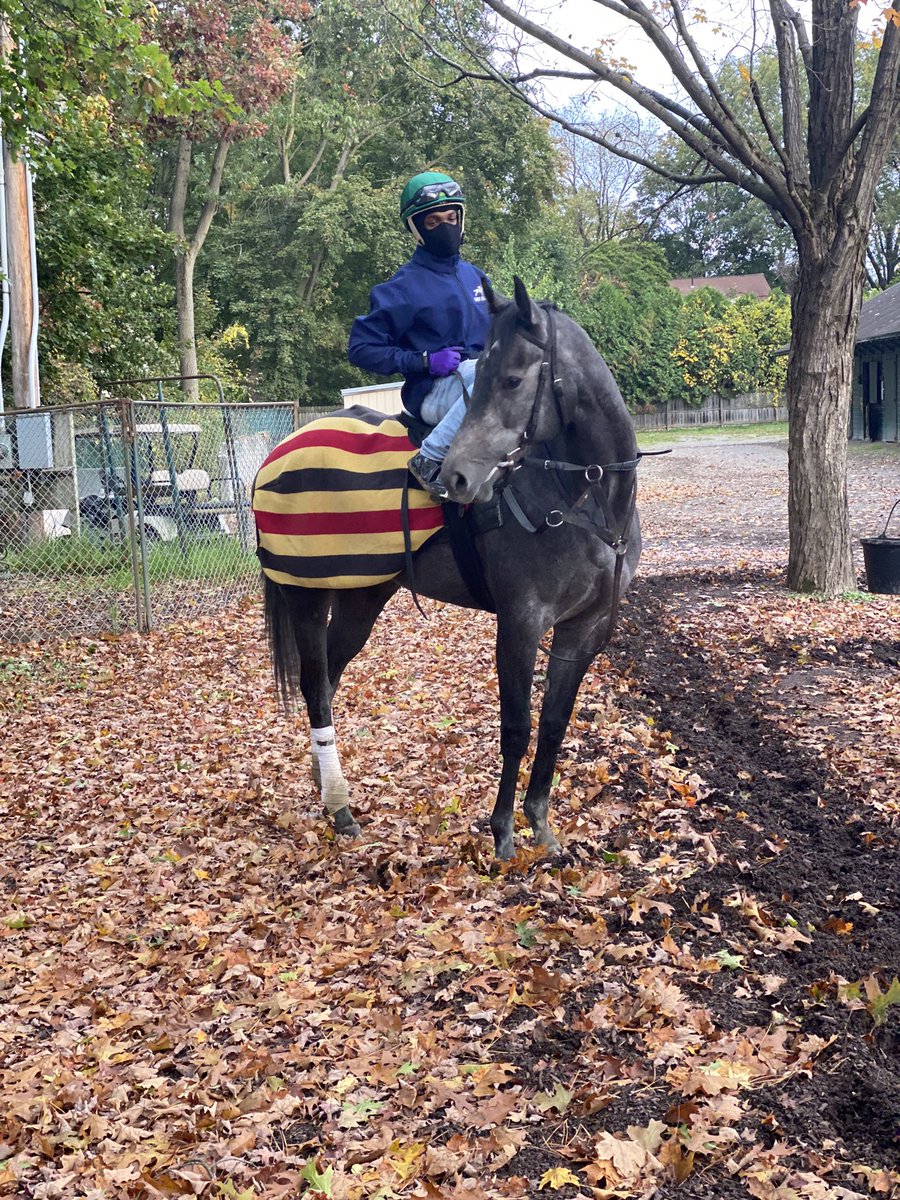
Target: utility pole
x,y
20,265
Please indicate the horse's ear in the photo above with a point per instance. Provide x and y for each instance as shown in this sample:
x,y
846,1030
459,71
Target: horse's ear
x,y
529,316
495,302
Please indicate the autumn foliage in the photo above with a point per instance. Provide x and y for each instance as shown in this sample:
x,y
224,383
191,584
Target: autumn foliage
x,y
204,993
247,52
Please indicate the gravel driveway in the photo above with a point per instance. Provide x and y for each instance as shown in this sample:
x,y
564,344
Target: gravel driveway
x,y
745,522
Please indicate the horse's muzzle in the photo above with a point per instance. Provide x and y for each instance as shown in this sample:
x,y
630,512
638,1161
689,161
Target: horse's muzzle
x,y
469,482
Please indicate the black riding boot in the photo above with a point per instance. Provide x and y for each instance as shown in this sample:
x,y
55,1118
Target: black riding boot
x,y
425,472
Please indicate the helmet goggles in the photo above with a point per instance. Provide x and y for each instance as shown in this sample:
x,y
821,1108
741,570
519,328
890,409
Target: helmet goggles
x,y
432,195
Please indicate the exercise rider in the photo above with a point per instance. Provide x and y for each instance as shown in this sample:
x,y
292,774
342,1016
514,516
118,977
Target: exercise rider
x,y
429,321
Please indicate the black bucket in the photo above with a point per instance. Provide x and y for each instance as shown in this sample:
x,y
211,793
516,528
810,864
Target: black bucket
x,y
882,558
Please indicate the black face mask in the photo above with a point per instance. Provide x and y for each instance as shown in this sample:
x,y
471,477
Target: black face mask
x,y
444,241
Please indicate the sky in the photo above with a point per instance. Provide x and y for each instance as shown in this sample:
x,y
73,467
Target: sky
x,y
728,29
587,25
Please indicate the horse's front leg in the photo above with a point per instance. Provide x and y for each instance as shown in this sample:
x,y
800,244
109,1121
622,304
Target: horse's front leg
x,y
568,663
516,649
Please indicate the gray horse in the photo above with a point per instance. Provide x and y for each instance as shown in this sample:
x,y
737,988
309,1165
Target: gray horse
x,y
547,436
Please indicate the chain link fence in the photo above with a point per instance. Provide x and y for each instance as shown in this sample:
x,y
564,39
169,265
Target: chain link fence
x,y
130,513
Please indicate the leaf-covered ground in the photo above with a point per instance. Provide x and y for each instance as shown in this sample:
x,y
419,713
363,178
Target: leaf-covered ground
x,y
203,993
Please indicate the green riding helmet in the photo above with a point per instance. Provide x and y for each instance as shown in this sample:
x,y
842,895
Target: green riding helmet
x,y
427,190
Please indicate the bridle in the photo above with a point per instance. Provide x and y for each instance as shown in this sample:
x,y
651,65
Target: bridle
x,y
614,534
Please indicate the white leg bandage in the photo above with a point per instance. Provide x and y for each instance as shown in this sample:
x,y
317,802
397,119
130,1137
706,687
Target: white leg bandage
x,y
335,793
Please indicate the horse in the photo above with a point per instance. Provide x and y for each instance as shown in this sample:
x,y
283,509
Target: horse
x,y
548,439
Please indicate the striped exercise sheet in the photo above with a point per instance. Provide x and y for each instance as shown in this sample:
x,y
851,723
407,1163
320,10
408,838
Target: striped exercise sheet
x,y
327,503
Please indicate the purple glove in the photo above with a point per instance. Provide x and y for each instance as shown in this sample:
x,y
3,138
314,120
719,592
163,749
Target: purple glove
x,y
444,362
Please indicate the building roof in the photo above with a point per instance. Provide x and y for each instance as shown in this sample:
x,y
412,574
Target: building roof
x,y
728,285
880,316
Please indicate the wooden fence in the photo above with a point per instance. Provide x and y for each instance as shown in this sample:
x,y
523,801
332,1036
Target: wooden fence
x,y
754,408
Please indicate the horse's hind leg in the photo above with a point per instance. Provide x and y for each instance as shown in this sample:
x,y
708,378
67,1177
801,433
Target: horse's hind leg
x,y
308,610
353,614
564,677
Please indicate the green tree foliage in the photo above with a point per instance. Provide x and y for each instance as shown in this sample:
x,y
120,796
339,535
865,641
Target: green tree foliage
x,y
79,82
729,347
249,50
105,309
59,58
631,313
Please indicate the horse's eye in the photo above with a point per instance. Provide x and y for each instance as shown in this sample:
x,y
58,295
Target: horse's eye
x,y
512,382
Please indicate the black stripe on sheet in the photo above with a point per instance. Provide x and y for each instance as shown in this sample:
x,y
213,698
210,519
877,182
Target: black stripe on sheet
x,y
328,479
326,566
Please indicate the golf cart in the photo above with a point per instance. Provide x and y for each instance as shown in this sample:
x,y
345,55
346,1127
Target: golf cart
x,y
171,495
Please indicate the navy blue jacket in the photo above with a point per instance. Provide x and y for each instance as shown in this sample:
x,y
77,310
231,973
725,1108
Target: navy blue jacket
x,y
430,303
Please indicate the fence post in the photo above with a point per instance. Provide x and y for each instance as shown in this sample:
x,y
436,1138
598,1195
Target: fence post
x,y
237,486
173,474
134,499
136,527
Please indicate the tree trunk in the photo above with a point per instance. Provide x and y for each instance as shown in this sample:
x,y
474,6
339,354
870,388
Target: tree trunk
x,y
26,391
819,387
188,248
187,344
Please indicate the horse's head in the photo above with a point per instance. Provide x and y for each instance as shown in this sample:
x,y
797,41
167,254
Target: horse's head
x,y
513,396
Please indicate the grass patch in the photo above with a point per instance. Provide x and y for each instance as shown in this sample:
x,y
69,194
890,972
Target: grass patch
x,y
85,563
874,449
655,437
213,558
70,558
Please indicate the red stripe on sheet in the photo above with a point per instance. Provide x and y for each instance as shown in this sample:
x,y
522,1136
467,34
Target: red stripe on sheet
x,y
341,439
306,524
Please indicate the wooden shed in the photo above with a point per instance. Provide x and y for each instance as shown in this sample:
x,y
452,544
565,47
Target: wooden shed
x,y
383,397
875,413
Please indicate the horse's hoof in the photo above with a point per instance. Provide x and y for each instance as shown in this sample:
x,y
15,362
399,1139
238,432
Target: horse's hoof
x,y
552,847
505,850
345,825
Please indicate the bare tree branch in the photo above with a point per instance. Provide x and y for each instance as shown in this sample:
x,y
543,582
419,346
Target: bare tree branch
x,y
791,117
316,159
880,120
213,190
752,171
767,126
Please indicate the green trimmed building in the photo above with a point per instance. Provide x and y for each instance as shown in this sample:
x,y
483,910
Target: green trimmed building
x,y
875,413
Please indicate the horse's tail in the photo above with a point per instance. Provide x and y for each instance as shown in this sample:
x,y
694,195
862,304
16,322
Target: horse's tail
x,y
282,642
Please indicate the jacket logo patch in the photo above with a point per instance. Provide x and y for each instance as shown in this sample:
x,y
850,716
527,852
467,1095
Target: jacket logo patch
x,y
478,295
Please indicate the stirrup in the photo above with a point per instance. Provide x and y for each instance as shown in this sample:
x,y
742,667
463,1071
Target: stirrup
x,y
426,473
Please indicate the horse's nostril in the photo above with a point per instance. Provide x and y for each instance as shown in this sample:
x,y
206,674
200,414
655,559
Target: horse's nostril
x,y
457,482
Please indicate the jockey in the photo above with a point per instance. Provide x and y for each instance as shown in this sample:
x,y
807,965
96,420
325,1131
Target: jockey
x,y
429,321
